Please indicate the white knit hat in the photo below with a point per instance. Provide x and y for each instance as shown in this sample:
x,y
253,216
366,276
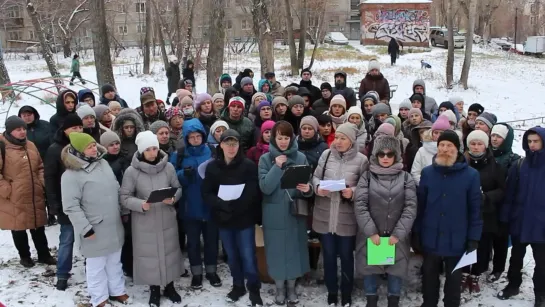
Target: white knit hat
x,y
478,135
451,116
373,64
354,110
217,124
500,130
145,140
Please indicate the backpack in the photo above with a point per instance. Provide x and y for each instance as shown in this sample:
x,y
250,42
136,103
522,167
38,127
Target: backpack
x,y
181,155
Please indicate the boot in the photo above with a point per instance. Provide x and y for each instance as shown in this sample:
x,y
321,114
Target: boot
x,y
393,301
292,294
27,262
466,282
346,299
123,299
493,277
372,301
280,297
155,296
332,299
214,279
196,282
508,292
48,260
104,304
171,294
474,284
71,83
185,273
62,284
255,296
236,293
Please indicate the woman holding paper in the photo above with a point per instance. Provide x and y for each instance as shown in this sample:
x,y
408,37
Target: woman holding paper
x,y
285,234
333,218
385,207
156,250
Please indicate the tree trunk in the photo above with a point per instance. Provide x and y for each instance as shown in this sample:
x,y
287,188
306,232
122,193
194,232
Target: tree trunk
x,y
450,54
291,40
160,36
46,51
66,44
176,11
147,39
4,75
303,34
214,61
262,30
101,45
469,44
190,32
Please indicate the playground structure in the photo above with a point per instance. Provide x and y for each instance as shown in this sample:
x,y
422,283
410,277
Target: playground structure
x,y
51,86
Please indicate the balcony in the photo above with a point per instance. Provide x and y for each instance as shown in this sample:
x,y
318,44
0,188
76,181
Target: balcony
x,y
12,23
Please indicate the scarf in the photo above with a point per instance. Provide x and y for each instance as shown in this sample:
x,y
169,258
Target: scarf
x,y
396,168
14,141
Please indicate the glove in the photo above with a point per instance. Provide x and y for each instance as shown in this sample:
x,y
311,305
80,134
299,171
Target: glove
x,y
471,246
188,172
51,220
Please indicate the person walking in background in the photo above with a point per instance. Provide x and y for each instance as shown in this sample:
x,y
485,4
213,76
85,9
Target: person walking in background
x,y
393,50
188,73
74,69
173,76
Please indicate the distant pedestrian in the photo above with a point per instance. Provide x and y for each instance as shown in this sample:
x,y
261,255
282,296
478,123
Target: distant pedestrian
x,y
74,69
393,50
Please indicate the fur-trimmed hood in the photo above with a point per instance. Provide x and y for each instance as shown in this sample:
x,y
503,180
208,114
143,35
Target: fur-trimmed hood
x,y
127,114
73,162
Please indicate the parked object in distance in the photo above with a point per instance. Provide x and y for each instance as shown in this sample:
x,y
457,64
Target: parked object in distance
x,y
440,37
336,38
535,45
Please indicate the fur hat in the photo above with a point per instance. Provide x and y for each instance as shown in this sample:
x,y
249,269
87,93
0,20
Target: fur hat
x,y
479,136
405,104
245,81
488,118
295,100
13,122
417,111
217,96
145,140
442,123
217,124
381,108
373,64
108,137
500,130
202,97
354,110
182,93
386,142
450,136
80,141
279,100
309,120
338,100
85,110
267,125
348,129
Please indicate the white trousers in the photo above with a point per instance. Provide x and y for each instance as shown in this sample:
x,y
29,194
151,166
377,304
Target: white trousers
x,y
105,277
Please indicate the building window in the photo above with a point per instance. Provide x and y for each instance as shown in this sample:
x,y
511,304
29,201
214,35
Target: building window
x,y
31,35
13,12
141,7
245,24
533,8
122,29
334,21
533,20
354,5
228,24
121,9
141,28
15,35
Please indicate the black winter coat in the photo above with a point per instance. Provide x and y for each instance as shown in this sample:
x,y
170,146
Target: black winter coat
x,y
119,164
312,149
320,106
315,92
38,132
243,212
189,73
493,188
53,170
173,76
57,120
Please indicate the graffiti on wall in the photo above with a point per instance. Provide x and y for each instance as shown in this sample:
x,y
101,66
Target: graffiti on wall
x,y
403,25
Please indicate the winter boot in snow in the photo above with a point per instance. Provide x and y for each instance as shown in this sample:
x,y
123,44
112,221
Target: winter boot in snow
x,y
493,277
185,273
372,301
214,279
171,294
27,262
236,293
123,299
474,284
508,292
255,296
48,260
280,297
292,294
332,299
62,284
393,301
196,282
346,299
466,282
155,296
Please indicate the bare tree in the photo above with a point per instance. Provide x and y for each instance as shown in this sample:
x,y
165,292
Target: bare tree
x,y
101,45
486,10
470,8
450,54
44,43
68,24
291,39
263,33
147,38
214,61
176,12
302,34
4,75
191,7
160,29
316,25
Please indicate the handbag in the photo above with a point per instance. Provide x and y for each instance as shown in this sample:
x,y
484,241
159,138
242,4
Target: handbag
x,y
299,207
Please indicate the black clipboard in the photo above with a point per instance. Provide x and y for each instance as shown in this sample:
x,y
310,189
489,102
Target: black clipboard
x,y
158,196
294,175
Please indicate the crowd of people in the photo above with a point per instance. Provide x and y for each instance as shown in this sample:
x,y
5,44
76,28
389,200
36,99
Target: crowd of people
x,y
434,180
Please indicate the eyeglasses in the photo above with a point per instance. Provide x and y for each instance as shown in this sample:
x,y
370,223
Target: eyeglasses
x,y
231,144
385,154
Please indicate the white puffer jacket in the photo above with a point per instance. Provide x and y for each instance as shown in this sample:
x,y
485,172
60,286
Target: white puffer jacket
x,y
423,158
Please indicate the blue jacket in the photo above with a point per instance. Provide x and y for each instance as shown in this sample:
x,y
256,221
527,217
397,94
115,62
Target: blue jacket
x,y
449,208
524,203
191,203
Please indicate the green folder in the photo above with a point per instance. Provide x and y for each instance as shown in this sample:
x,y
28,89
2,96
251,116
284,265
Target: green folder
x,y
383,254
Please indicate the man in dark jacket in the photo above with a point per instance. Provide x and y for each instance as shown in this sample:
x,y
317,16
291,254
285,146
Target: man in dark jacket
x,y
246,73
523,213
449,221
315,92
66,104
374,81
37,130
321,105
342,89
393,50
53,170
149,110
109,94
173,76
189,72
247,92
235,218
419,86
234,117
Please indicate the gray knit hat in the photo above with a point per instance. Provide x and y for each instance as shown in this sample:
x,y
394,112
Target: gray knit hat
x,y
386,142
279,100
108,137
405,104
381,108
350,130
246,81
488,118
13,122
158,125
309,120
295,100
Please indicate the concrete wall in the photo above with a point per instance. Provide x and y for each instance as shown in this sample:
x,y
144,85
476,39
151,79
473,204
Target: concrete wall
x,y
406,22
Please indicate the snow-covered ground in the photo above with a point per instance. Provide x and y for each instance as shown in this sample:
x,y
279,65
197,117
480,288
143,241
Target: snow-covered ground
x,y
510,86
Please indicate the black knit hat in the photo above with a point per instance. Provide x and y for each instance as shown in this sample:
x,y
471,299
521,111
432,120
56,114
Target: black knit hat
x,y
476,108
71,120
106,88
269,75
13,122
326,86
450,136
323,119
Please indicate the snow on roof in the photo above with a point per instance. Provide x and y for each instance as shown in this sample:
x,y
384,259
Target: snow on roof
x,y
395,1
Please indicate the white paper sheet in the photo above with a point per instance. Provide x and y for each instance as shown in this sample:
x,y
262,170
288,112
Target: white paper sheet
x,y
202,168
467,259
333,185
230,192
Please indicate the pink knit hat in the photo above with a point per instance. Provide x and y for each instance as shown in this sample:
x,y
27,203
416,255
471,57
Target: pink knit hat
x,y
442,123
267,125
385,129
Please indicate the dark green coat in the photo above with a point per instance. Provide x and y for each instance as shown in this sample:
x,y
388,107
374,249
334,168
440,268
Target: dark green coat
x,y
38,132
244,127
504,155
